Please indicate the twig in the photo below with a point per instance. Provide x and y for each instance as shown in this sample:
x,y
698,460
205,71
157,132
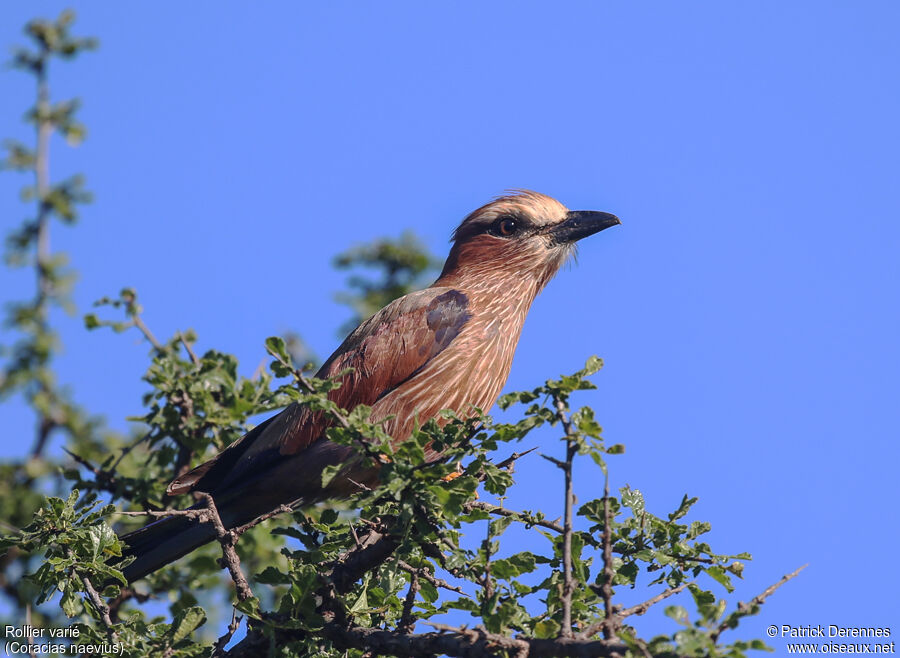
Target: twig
x,y
281,509
187,347
524,517
757,600
553,460
638,609
422,573
158,514
227,539
219,648
359,485
144,329
127,449
125,593
641,608
688,558
95,599
511,460
355,536
103,476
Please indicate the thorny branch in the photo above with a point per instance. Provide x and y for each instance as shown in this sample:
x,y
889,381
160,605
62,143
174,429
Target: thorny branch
x,y
757,600
638,609
641,608
510,461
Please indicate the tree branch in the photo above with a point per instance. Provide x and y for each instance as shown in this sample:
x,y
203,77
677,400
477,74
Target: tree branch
x,y
524,517
407,620
187,348
144,329
568,580
219,647
757,600
447,640
642,608
227,539
610,623
44,128
638,609
423,573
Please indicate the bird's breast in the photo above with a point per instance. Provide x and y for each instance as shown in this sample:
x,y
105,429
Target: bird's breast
x,y
469,373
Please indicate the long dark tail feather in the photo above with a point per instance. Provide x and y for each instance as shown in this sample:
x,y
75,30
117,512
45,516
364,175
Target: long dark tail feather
x,y
295,479
164,541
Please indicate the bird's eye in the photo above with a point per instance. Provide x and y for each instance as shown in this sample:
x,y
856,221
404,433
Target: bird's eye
x,y
505,226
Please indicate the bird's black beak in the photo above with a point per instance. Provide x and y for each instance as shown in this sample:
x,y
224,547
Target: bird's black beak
x,y
580,224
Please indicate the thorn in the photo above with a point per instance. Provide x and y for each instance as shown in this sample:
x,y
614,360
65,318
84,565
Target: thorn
x,y
554,460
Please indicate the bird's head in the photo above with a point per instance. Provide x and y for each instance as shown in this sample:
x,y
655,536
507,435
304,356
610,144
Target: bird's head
x,y
524,237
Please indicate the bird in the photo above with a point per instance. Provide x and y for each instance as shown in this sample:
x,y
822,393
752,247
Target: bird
x,y
449,346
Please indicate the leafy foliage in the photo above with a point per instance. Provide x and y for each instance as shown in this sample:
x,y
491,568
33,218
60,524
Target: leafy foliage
x,y
368,575
26,369
391,566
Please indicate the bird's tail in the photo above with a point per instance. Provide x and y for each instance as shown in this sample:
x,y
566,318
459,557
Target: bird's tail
x,y
164,541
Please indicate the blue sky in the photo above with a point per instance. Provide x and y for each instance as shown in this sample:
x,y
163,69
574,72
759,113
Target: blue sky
x,y
747,308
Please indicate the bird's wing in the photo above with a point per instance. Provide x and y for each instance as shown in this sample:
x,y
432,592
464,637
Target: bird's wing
x,y
384,352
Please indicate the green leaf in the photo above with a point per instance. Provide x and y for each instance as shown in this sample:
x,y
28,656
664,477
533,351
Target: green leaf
x,y
101,539
276,346
683,508
249,607
329,472
718,574
514,565
546,629
429,592
186,622
634,499
677,613
272,576
70,603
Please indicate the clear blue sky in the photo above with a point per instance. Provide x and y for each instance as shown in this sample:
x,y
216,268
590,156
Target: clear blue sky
x,y
747,309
